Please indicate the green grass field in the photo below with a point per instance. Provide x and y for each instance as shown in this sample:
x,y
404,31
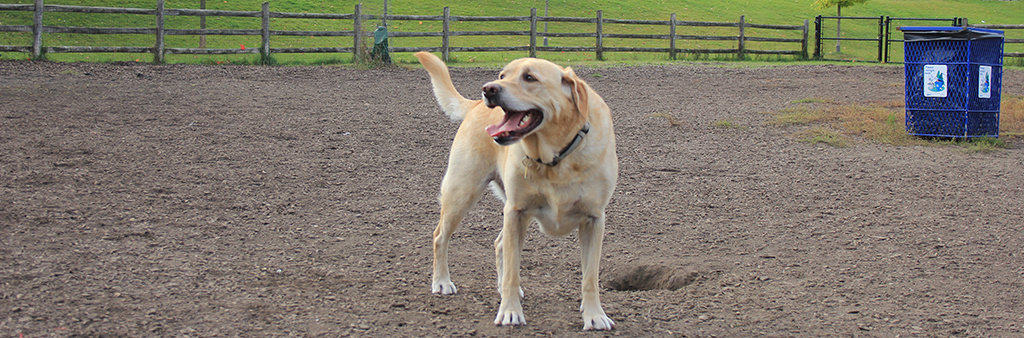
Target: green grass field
x,y
792,12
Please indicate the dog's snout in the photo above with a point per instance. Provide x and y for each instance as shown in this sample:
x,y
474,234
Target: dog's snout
x,y
491,89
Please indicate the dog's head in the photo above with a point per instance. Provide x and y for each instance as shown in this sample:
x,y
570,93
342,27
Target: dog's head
x,y
534,94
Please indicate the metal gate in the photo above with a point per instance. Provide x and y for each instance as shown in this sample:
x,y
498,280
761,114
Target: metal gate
x,y
882,40
954,22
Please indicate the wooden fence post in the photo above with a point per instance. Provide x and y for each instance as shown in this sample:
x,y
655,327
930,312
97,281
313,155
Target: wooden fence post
x,y
672,37
803,44
533,32
37,32
158,50
740,53
265,46
600,36
445,46
357,39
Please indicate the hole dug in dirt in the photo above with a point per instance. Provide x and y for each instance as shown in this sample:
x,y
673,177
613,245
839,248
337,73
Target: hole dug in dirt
x,y
650,277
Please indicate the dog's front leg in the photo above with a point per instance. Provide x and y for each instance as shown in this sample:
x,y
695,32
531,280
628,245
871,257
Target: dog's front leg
x,y
591,236
509,248
499,263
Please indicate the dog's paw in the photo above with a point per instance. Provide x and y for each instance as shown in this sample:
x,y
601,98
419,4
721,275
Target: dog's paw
x,y
510,318
599,322
445,287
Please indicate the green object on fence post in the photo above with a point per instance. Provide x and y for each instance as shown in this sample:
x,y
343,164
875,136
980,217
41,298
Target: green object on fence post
x,y
380,45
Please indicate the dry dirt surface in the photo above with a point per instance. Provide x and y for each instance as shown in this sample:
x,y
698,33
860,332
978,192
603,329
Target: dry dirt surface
x,y
207,201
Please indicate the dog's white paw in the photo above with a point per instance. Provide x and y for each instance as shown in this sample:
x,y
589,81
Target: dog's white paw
x,y
510,317
443,287
598,322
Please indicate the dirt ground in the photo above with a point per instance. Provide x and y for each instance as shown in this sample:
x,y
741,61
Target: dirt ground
x,y
203,201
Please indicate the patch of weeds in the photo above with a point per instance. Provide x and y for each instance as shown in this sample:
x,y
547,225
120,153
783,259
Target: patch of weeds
x,y
884,122
597,75
1011,116
811,100
70,72
41,57
800,115
970,144
824,135
672,122
893,104
876,123
726,124
266,60
891,119
881,121
984,145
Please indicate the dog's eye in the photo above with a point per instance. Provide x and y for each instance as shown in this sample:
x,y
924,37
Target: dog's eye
x,y
501,76
529,78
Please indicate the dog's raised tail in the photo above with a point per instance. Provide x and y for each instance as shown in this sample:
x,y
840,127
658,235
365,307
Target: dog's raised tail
x,y
451,102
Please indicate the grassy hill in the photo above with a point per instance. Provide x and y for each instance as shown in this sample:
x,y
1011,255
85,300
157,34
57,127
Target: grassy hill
x,y
785,12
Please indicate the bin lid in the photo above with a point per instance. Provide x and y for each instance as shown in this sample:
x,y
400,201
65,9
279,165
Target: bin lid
x,y
948,33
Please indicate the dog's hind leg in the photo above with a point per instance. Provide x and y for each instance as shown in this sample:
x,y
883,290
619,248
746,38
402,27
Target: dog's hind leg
x,y
460,190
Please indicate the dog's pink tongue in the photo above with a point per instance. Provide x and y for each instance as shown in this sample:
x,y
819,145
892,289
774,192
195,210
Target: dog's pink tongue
x,y
510,123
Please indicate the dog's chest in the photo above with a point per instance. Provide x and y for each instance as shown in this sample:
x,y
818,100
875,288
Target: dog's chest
x,y
560,200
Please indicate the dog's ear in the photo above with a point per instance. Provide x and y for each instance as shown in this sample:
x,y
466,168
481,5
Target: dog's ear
x,y
578,89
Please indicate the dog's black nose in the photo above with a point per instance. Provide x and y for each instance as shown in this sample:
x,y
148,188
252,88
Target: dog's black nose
x,y
491,89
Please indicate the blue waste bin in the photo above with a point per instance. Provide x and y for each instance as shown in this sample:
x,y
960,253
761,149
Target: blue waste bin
x,y
953,81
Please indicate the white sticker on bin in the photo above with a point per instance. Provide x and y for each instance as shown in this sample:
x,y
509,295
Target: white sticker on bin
x,y
984,82
936,80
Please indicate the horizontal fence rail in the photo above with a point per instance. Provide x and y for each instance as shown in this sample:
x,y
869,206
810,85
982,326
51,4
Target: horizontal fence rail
x,y
358,34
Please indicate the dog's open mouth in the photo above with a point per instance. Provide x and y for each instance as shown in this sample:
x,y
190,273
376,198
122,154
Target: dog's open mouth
x,y
515,125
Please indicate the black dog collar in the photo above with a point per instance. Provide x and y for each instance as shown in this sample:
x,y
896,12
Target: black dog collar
x,y
568,149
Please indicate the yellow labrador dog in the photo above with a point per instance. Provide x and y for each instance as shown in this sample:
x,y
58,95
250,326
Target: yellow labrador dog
x,y
543,140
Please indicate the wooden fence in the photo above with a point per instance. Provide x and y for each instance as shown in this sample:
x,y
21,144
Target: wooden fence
x,y
358,34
